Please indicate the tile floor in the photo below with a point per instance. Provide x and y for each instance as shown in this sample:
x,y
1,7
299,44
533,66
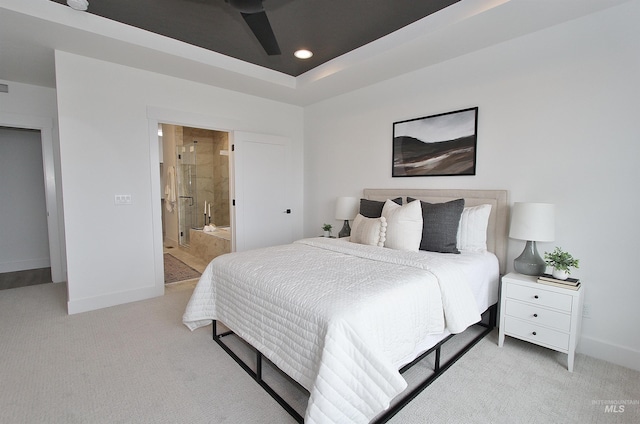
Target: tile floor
x,y
194,262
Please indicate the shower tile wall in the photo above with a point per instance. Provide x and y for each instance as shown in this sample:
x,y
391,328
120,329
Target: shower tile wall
x,y
221,179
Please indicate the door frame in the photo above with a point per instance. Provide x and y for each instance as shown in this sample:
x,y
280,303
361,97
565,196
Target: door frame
x,y
156,116
57,250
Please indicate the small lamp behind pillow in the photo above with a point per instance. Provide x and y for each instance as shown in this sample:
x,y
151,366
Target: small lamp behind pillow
x,y
346,209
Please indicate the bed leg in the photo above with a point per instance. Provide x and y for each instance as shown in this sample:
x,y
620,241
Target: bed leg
x,y
258,366
493,315
257,374
215,328
438,368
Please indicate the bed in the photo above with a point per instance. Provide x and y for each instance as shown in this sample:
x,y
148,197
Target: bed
x,y
344,318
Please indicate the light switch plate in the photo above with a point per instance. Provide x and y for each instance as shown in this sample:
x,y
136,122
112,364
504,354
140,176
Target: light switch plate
x,y
122,199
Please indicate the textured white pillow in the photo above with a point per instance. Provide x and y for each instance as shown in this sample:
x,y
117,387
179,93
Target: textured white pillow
x,y
369,231
472,231
404,225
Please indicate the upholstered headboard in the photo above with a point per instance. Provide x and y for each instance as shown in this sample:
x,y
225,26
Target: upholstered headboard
x,y
498,220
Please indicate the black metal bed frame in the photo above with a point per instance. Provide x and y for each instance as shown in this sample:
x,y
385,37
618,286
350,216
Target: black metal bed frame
x,y
439,369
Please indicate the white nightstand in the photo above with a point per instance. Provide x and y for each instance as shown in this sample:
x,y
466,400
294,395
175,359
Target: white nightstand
x,y
546,315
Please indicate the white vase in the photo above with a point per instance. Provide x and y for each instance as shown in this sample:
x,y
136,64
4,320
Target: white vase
x,y
560,274
327,233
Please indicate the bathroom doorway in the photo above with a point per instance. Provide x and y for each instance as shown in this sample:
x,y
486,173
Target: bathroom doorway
x,y
196,195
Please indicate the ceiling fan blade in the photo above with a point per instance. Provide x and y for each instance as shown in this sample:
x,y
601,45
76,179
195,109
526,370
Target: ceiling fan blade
x,y
259,24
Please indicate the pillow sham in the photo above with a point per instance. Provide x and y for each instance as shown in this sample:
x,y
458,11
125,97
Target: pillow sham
x,y
404,225
373,208
371,231
440,225
472,231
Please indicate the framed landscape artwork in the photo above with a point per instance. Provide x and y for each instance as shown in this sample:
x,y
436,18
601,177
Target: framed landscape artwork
x,y
436,145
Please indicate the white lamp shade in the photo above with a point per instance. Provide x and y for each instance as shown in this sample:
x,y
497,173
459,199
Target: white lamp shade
x,y
533,221
347,208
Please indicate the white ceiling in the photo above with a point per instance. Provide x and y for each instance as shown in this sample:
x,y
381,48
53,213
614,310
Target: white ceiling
x,y
30,31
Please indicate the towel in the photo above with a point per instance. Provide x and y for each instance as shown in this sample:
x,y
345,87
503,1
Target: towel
x,y
170,189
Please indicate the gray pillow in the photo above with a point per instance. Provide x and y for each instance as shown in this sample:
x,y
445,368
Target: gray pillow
x,y
373,208
440,223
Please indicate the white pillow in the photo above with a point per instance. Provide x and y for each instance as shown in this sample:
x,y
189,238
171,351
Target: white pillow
x,y
404,225
369,231
472,231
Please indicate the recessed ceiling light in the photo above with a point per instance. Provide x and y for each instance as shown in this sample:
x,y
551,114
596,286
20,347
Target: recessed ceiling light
x,y
303,54
81,5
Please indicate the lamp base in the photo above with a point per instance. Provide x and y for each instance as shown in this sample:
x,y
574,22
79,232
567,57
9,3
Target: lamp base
x,y
346,230
530,262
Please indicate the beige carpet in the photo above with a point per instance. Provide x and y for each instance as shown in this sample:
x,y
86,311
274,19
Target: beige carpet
x,y
137,363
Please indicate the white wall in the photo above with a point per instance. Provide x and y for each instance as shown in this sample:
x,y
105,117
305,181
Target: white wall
x,y
24,243
558,122
26,99
106,150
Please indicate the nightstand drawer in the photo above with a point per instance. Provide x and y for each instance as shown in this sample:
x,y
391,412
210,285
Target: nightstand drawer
x,y
536,334
540,297
537,315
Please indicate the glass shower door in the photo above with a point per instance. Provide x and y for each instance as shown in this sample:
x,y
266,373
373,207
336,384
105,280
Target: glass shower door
x,y
187,197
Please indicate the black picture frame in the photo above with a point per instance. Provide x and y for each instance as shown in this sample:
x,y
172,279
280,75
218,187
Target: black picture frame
x,y
438,145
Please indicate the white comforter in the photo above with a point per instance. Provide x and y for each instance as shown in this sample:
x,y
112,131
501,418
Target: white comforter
x,y
338,317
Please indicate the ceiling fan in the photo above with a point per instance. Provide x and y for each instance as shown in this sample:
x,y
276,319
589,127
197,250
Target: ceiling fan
x,y
255,16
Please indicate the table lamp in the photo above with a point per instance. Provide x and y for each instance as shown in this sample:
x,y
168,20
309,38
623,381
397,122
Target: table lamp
x,y
346,208
532,222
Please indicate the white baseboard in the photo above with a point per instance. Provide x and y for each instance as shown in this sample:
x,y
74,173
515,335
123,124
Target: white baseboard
x,y
91,304
14,266
616,354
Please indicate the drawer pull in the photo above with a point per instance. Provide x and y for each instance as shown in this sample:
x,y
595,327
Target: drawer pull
x,y
535,315
535,297
534,333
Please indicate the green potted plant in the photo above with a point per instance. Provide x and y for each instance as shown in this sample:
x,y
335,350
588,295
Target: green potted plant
x,y
327,229
562,262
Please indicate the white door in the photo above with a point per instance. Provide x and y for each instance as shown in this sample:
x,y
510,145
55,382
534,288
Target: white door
x,y
263,215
